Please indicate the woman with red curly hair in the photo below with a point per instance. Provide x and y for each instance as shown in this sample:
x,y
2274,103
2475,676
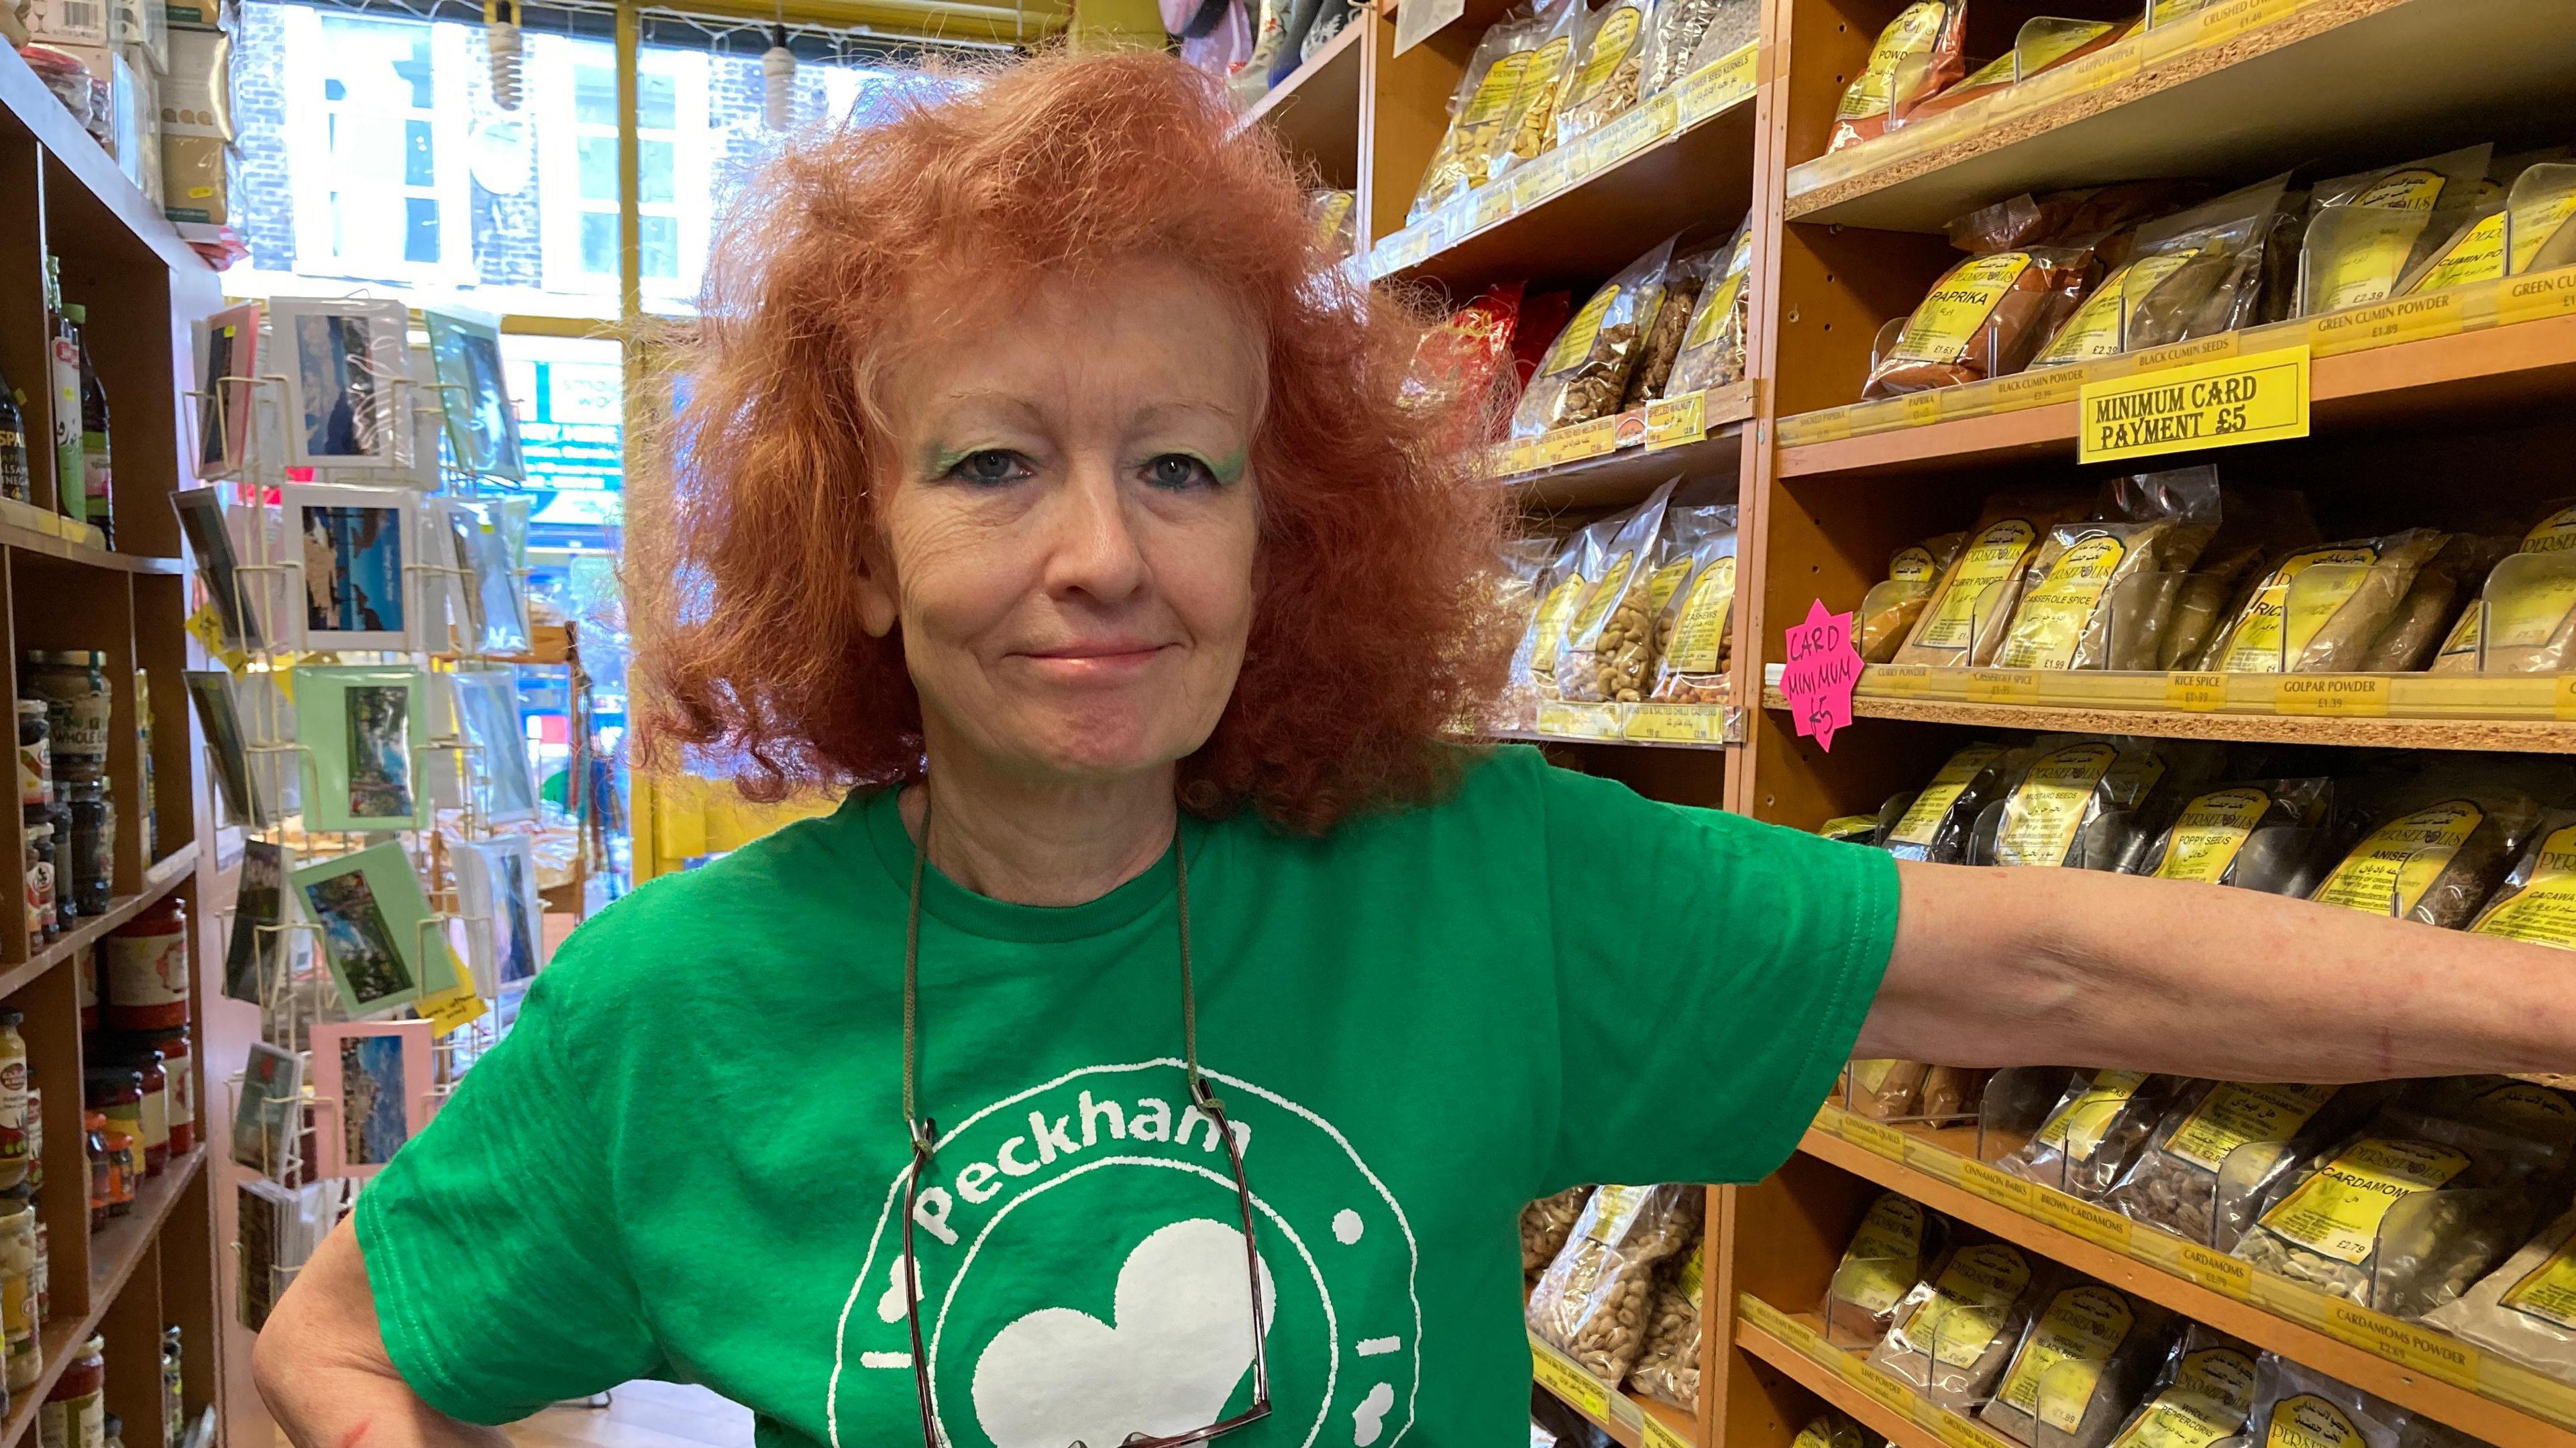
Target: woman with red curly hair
x,y
1163,1035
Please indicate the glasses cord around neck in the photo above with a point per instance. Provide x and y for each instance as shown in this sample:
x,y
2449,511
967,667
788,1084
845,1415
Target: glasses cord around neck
x,y
924,1133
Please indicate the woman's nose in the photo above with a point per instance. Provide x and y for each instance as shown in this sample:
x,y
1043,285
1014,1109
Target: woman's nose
x,y
1093,547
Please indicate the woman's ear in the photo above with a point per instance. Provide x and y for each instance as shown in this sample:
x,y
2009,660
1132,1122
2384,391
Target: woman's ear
x,y
877,604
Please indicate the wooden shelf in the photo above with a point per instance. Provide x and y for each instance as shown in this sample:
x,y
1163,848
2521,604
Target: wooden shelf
x,y
1316,110
2493,369
115,1250
25,99
28,540
1623,479
2539,736
2340,81
165,875
2408,1384
1631,1419
1898,1428
1698,181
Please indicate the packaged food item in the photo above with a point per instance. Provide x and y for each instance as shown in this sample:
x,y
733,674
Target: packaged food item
x,y
2043,44
1851,829
1885,1090
1586,372
1668,1370
2083,801
2366,230
1609,77
1984,318
2537,212
1520,589
1681,28
2537,902
1937,825
1685,281
1335,215
1530,127
2295,1406
2433,604
2098,593
1963,623
1694,635
2526,1309
2192,274
2086,1355
2218,1138
1830,1429
1919,54
2405,1215
1954,1091
1545,1224
1578,566
2095,1130
2256,835
2086,216
1462,368
2523,620
1609,651
1952,1334
1899,1243
1889,610
2201,1397
2325,623
1712,343
2436,847
1483,102
1592,1299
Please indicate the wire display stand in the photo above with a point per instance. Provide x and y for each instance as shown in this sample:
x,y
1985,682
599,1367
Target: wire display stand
x,y
450,782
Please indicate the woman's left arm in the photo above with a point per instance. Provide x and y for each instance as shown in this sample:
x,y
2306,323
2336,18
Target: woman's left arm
x,y
1995,967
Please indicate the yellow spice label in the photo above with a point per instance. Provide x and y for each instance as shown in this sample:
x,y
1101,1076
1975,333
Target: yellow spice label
x,y
1551,624
1614,586
1612,38
2337,1211
2077,1128
1494,93
1923,817
1911,31
2048,807
2308,1421
2548,1292
1699,636
2286,615
2054,1376
1581,333
2053,615
2100,327
2537,220
1715,306
2543,911
2553,534
2388,873
1885,1258
1966,1310
2236,1114
2209,832
1913,565
1992,558
2476,256
1666,581
2211,1394
1946,322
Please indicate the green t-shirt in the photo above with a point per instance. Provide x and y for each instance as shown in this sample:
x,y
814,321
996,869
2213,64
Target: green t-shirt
x,y
686,1161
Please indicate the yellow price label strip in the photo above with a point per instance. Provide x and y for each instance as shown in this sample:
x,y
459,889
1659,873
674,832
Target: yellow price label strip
x,y
2003,686
2222,403
1578,1389
2196,693
2001,1188
1874,1137
1659,1434
2431,1353
1675,421
1562,445
2081,1219
1719,85
2331,696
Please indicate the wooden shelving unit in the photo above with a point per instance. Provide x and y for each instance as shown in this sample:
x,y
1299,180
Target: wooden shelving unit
x,y
60,195
2422,411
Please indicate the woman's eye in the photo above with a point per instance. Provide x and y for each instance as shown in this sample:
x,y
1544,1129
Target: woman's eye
x,y
1179,470
990,467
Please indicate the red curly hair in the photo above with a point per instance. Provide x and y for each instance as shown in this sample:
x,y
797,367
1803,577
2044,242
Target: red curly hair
x,y
1373,631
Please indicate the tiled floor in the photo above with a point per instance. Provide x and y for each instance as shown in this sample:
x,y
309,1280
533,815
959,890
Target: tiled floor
x,y
641,1415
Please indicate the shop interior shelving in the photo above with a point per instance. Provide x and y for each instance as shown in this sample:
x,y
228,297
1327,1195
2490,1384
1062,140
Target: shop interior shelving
x,y
2420,411
59,589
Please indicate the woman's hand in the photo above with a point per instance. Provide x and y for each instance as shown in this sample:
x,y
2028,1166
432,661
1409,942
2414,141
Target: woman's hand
x,y
1998,967
321,1365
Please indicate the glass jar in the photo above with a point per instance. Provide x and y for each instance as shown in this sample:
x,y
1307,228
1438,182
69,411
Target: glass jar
x,y
93,812
84,972
73,684
35,1138
41,924
74,1414
35,758
18,1289
44,1276
116,1092
155,1139
60,818
147,968
125,1173
94,1141
111,1432
13,1101
175,1046
174,1396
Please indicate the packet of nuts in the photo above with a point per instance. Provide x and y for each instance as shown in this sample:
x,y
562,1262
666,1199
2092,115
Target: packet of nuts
x,y
1592,1301
1694,631
1586,372
1545,1224
1609,651
1668,1371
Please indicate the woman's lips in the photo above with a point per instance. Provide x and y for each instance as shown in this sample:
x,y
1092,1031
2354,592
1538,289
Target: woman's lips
x,y
1095,663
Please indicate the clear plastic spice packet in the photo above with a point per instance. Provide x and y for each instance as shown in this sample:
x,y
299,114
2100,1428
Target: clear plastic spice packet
x,y
1483,102
2366,231
2096,1129
1916,56
1899,1243
1962,625
1712,341
2086,1355
1586,372
1608,79
2219,1132
2201,1398
2265,835
2097,593
2537,902
1937,824
2192,274
2325,623
2436,847
1984,318
1952,1334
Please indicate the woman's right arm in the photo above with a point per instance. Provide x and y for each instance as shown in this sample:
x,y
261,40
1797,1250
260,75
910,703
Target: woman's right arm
x,y
322,1369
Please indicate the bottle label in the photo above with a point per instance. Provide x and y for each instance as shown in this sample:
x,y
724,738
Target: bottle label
x,y
147,970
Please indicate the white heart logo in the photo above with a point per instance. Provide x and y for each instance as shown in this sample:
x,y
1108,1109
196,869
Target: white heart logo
x,y
1181,1343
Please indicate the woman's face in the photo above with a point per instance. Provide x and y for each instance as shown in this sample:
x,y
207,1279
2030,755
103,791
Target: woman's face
x,y
1071,533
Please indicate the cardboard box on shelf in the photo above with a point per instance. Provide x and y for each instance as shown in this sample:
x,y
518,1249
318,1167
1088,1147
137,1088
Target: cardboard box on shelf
x,y
197,89
189,14
139,24
197,179
68,22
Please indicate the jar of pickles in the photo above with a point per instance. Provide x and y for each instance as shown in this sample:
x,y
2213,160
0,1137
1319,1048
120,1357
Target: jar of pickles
x,y
13,1101
73,685
75,1412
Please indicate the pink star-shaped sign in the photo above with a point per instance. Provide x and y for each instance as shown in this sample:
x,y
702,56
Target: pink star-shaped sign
x,y
1823,668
